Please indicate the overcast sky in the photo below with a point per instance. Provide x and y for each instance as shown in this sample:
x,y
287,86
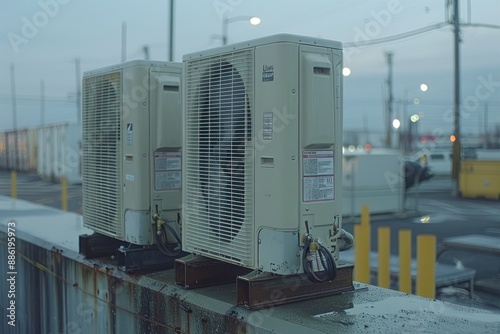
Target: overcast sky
x,y
43,38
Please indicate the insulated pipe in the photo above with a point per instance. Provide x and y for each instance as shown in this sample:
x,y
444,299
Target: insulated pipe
x,y
405,260
362,247
384,252
346,240
426,266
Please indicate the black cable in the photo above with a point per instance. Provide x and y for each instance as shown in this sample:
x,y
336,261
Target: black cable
x,y
161,244
330,268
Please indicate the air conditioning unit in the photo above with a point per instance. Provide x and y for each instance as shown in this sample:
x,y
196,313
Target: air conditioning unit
x,y
132,149
263,152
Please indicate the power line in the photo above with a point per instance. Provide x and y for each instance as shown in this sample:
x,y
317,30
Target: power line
x,y
396,37
414,33
480,25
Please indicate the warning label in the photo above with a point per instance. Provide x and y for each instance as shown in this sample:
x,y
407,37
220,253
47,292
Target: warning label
x,y
168,174
318,179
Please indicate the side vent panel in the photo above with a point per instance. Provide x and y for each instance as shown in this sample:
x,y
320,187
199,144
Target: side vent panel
x,y
101,105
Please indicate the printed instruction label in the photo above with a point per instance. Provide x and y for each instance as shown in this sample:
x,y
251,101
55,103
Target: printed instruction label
x,y
318,179
168,173
130,134
267,127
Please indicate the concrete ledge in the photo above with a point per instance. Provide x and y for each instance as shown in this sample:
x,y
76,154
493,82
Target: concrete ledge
x,y
58,291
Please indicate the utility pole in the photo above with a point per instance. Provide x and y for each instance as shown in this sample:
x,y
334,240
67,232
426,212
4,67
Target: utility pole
x,y
171,33
78,92
388,141
42,102
14,114
455,170
124,42
145,48
485,124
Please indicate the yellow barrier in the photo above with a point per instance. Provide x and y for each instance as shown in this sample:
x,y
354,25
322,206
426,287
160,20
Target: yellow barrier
x,y
13,184
426,266
64,194
362,236
405,260
384,252
480,179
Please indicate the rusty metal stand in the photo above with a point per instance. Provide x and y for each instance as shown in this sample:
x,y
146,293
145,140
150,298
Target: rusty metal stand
x,y
256,291
144,258
98,245
194,271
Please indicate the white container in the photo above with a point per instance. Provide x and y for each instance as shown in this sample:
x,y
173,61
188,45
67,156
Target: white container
x,y
59,153
374,178
3,151
23,157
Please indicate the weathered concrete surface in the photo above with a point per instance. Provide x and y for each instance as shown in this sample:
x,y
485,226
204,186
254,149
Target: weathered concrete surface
x,y
58,291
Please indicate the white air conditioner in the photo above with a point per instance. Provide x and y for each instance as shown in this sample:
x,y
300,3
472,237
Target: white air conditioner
x,y
263,151
132,149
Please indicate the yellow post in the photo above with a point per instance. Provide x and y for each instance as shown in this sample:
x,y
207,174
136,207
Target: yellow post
x,y
384,253
362,248
64,194
405,260
426,265
13,184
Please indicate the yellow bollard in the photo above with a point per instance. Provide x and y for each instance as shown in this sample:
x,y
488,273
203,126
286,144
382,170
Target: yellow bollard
x,y
384,253
426,266
405,260
64,194
13,184
365,215
362,248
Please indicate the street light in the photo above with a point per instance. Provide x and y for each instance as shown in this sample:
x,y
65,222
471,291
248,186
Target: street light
x,y
253,20
396,123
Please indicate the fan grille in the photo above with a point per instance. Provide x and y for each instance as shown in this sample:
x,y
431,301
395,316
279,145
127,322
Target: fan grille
x,y
101,151
219,157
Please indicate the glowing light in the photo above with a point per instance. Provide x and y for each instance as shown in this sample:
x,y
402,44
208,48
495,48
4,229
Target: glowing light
x,y
425,219
351,148
396,123
346,71
255,21
423,87
453,138
414,118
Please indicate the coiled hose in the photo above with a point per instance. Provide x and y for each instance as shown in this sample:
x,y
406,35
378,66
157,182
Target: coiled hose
x,y
161,242
316,255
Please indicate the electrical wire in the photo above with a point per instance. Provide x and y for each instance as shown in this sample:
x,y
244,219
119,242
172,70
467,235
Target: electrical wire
x,y
161,241
316,254
395,37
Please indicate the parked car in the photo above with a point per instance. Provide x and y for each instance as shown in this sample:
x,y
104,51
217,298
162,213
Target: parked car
x,y
416,173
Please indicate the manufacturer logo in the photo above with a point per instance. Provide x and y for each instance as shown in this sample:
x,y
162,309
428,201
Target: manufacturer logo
x,y
267,73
